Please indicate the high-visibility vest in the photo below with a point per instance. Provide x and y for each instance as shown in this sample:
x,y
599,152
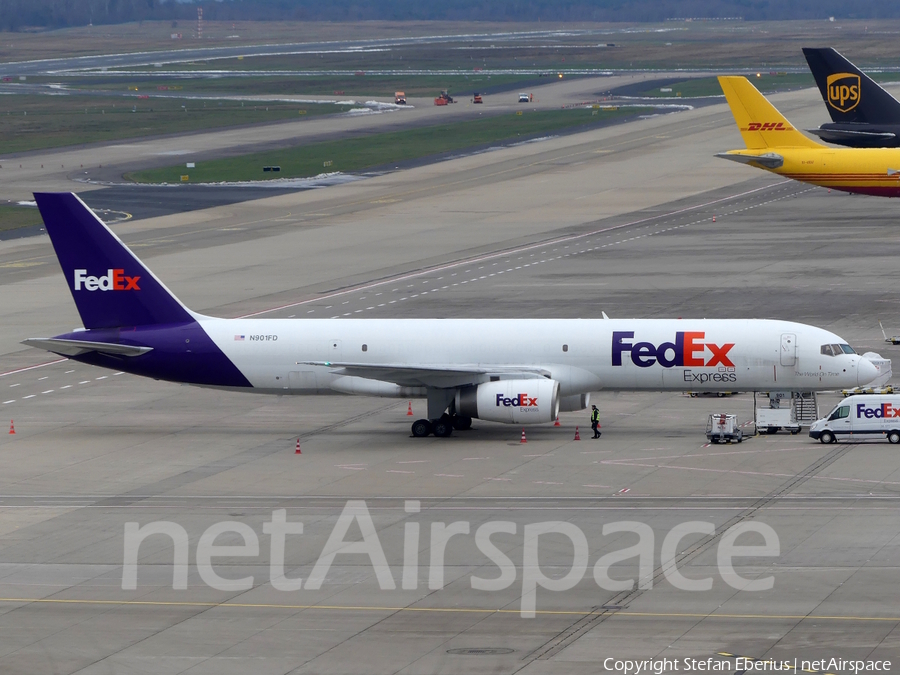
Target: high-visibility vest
x,y
595,416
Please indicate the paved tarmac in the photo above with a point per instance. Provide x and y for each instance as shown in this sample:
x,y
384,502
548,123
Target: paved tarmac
x,y
617,220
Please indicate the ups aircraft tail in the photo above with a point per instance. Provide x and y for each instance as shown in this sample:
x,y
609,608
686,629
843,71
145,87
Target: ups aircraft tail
x,y
849,94
761,125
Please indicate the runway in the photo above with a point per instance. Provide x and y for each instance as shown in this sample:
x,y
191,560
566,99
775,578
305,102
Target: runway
x,y
618,220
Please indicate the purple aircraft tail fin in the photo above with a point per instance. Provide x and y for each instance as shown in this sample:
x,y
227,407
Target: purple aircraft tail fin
x,y
111,287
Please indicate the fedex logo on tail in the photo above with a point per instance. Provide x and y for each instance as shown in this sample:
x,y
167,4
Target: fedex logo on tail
x,y
688,349
884,411
115,280
519,401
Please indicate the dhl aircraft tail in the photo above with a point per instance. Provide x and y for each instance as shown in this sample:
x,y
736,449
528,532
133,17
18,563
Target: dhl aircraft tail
x,y
760,123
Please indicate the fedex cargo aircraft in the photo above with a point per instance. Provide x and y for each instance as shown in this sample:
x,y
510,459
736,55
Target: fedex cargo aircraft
x,y
519,371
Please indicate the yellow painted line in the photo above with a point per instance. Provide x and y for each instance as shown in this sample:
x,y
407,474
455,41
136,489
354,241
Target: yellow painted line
x,y
447,610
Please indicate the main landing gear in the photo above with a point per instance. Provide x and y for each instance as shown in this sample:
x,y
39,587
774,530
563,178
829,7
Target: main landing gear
x,y
441,427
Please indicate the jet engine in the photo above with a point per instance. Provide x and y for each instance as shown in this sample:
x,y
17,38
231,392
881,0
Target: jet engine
x,y
511,401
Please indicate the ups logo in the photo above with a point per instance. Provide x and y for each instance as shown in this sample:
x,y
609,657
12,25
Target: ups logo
x,y
843,91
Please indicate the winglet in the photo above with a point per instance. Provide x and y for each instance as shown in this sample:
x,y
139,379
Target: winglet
x,y
760,123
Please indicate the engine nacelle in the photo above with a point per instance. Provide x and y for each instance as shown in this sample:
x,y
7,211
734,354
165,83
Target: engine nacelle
x,y
512,401
574,402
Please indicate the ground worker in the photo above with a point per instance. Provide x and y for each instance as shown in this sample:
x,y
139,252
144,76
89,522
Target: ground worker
x,y
595,421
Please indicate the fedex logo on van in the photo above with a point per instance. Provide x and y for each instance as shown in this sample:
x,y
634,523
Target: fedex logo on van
x,y
518,401
883,411
115,280
688,349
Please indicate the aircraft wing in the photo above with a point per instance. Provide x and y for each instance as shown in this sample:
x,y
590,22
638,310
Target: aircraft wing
x,y
430,375
78,347
770,160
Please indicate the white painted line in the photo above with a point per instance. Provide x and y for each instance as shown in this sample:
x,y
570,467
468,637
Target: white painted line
x,y
40,365
10,401
489,256
49,391
29,396
66,386
15,385
85,382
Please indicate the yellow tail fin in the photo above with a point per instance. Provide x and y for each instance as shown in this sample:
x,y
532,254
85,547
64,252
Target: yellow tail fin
x,y
760,124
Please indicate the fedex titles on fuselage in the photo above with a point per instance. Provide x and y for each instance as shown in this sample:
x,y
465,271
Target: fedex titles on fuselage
x,y
689,350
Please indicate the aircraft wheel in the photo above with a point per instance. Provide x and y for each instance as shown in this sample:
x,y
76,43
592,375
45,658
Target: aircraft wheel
x,y
421,428
442,428
827,437
461,422
894,437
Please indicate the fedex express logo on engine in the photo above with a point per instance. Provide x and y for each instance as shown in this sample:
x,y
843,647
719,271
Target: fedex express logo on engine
x,y
884,411
688,349
115,280
518,401
768,126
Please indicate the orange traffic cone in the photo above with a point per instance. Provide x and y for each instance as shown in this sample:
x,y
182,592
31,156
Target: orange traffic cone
x,y
409,410
523,436
297,451
556,423
577,435
714,219
12,429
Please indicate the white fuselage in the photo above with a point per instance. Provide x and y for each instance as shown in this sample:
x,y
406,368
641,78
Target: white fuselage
x,y
294,356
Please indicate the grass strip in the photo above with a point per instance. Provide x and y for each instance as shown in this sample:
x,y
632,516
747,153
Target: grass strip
x,y
39,122
355,154
13,217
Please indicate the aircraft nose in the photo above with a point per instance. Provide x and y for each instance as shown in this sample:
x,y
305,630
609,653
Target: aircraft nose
x,y
865,372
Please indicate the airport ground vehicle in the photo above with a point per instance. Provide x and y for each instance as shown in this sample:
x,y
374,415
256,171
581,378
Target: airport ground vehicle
x,y
400,98
443,98
723,428
476,98
524,98
513,371
860,417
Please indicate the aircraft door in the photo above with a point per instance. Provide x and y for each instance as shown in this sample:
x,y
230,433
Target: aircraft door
x,y
788,349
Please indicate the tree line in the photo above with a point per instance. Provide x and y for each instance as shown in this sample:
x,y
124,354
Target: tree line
x,y
18,15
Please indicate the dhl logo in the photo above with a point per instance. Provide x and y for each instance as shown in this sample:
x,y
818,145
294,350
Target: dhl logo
x,y
843,91
768,126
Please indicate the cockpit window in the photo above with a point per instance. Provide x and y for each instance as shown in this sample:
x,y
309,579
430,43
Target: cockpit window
x,y
847,349
828,350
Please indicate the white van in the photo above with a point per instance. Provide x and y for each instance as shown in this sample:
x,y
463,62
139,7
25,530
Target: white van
x,y
862,416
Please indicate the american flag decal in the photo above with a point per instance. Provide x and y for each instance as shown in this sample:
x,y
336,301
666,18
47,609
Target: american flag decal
x,y
238,338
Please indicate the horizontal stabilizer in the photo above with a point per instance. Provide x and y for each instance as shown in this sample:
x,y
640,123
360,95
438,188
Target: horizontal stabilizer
x,y
79,347
839,135
770,160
